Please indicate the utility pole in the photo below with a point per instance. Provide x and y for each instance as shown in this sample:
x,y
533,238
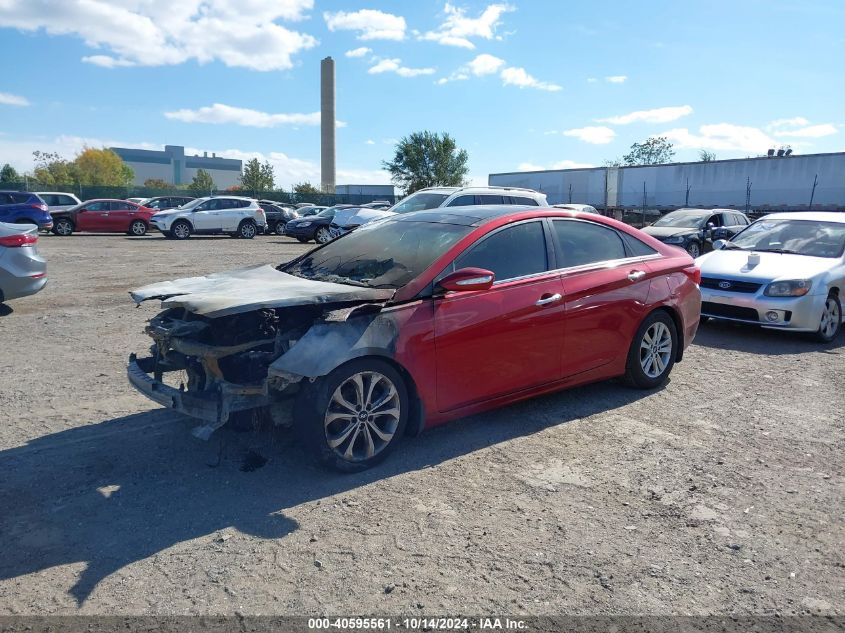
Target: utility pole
x,y
570,192
813,193
686,200
747,195
644,203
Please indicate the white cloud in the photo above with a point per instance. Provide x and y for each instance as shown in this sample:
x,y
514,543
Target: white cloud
x,y
457,28
220,113
371,24
359,52
722,136
238,33
597,135
395,66
519,77
482,65
591,80
7,98
799,127
561,164
657,115
370,141
616,79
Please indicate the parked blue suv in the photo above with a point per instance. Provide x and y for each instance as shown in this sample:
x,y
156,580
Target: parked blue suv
x,y
22,207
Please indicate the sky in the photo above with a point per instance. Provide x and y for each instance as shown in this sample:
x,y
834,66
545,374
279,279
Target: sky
x,y
521,85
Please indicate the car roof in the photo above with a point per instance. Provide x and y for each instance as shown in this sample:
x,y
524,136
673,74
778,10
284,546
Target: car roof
x,y
63,193
813,216
476,189
474,215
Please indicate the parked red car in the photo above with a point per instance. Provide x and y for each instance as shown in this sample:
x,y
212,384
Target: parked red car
x,y
103,216
421,318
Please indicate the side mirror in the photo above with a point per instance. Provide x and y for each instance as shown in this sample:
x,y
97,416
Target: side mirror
x,y
719,245
467,279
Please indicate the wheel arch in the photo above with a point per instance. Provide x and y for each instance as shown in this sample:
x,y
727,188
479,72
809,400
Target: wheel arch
x,y
182,219
679,327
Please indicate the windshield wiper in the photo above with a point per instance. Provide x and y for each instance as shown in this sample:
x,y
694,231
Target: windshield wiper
x,y
732,246
784,251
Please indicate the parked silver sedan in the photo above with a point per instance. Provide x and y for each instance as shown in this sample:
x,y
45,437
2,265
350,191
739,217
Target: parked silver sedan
x,y
785,271
22,269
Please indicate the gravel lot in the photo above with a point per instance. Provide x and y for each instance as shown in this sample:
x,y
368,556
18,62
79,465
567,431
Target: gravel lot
x,y
721,493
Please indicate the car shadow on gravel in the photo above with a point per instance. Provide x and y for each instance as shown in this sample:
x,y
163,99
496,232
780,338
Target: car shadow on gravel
x,y
755,340
123,490
5,309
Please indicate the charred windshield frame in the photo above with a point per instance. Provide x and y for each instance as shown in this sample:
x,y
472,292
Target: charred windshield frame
x,y
390,253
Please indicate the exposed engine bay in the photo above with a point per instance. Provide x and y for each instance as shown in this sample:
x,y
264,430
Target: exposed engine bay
x,y
219,346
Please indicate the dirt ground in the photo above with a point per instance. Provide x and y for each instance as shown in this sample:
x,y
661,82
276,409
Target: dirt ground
x,y
720,493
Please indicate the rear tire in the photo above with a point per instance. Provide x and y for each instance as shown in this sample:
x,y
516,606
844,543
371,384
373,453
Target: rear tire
x,y
694,250
831,320
181,230
353,418
247,229
653,352
138,228
279,229
323,235
63,227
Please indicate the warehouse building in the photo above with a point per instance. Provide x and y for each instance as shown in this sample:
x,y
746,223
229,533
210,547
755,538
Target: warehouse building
x,y
764,184
382,192
173,166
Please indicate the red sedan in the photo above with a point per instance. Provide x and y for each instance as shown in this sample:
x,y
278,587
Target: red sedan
x,y
103,216
422,318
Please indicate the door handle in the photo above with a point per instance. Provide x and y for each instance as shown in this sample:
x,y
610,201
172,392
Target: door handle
x,y
636,275
543,301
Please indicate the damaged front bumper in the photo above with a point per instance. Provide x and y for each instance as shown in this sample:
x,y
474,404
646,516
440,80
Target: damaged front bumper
x,y
214,407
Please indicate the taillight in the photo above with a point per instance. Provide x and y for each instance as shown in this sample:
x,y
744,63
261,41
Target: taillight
x,y
13,241
694,274
40,207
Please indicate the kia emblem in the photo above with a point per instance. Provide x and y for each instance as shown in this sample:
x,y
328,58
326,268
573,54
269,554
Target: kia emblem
x,y
724,285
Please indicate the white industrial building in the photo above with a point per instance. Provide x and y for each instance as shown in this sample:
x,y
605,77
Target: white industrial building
x,y
173,166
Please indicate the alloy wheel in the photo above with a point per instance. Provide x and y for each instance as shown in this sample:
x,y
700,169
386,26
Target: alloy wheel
x,y
362,416
323,236
64,227
693,250
655,349
181,230
248,230
138,228
831,318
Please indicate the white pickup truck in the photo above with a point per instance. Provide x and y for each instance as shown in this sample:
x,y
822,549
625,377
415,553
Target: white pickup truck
x,y
233,215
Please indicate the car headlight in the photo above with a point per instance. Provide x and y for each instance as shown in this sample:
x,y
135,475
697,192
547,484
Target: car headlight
x,y
678,239
303,224
789,288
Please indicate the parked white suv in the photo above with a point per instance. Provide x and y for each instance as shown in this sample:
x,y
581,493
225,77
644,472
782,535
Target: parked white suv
x,y
237,216
346,220
58,200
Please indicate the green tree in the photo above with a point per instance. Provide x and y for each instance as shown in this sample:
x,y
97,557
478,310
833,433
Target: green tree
x,y
706,157
424,159
9,174
257,177
52,169
653,151
202,184
305,188
159,183
101,167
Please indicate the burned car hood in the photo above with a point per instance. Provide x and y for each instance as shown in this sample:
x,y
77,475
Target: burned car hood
x,y
248,289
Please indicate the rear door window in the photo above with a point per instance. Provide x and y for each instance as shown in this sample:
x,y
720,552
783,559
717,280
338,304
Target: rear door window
x,y
21,198
49,199
5,198
515,251
65,200
490,199
583,243
523,200
462,201
635,247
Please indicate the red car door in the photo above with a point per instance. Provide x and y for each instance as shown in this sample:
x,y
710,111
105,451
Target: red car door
x,y
120,215
605,287
93,217
499,341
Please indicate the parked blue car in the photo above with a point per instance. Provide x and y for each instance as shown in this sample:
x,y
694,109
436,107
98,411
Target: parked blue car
x,y
22,207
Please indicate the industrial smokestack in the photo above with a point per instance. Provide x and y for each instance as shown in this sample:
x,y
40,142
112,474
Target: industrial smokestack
x,y
327,126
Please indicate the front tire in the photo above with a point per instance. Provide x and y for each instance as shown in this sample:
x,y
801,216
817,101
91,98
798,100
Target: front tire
x,y
181,230
247,229
63,227
831,321
138,228
694,250
653,352
353,418
279,229
323,236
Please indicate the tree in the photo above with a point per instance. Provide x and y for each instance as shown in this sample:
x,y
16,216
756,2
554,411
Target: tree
x,y
257,177
423,159
101,167
305,188
653,151
158,183
52,169
202,184
9,174
706,157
